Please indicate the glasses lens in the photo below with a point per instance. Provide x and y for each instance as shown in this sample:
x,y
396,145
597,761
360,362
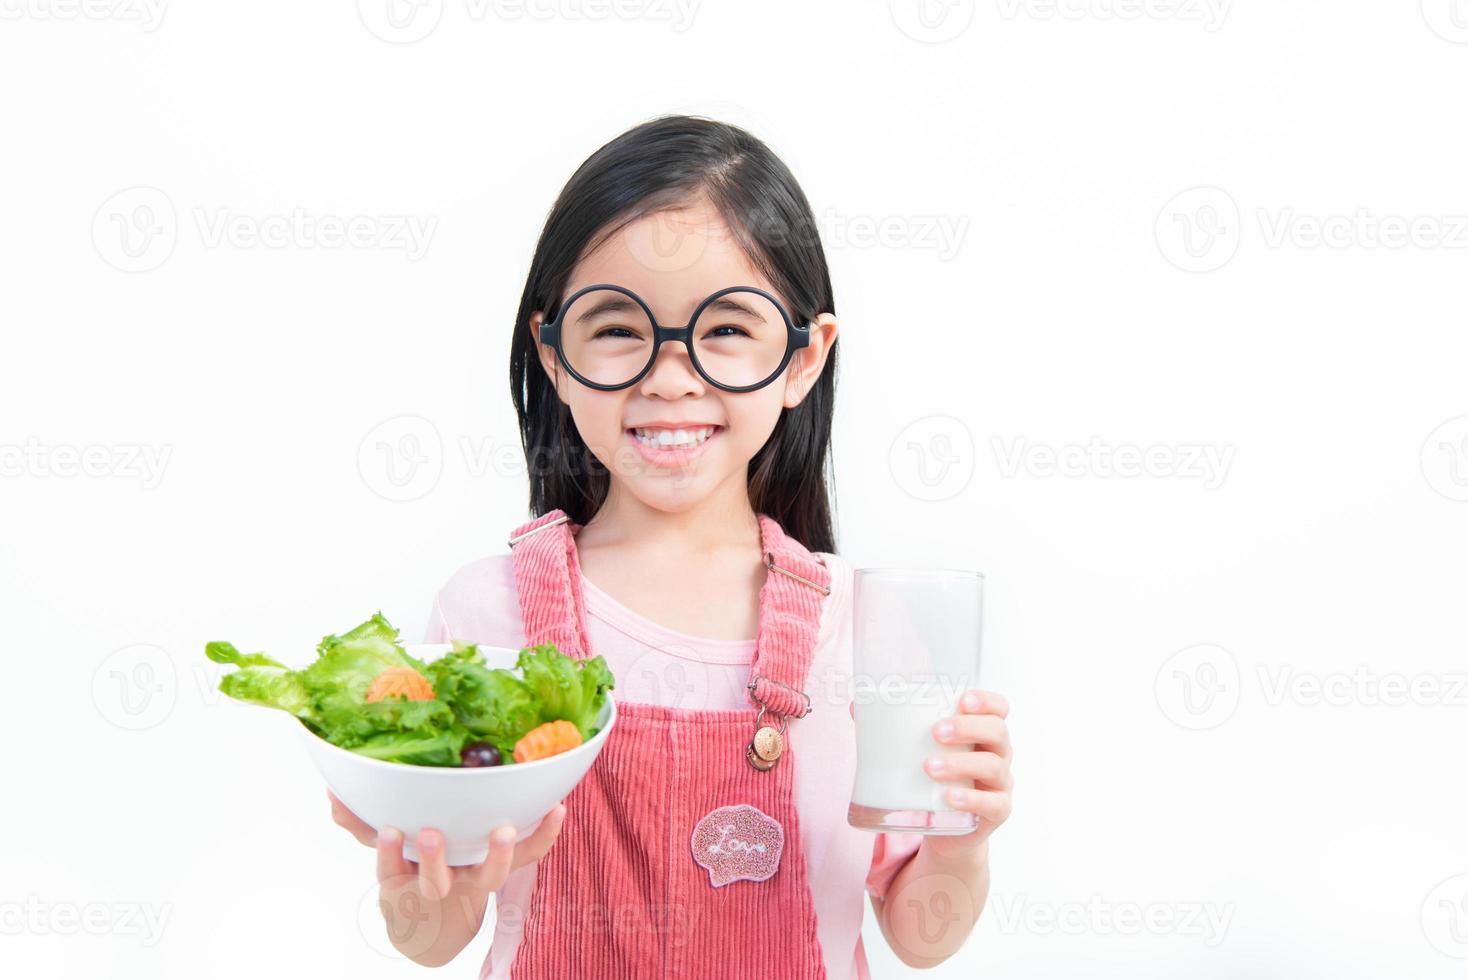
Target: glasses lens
x,y
606,336
740,338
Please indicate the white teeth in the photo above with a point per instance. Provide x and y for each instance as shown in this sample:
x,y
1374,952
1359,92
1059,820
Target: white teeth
x,y
668,438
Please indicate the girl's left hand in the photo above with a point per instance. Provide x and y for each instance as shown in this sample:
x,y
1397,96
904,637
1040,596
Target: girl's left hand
x,y
988,784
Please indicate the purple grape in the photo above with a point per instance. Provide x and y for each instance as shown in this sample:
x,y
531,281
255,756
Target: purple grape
x,y
479,754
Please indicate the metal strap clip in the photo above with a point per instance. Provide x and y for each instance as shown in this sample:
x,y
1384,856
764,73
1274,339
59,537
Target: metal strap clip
x,y
756,678
559,520
770,564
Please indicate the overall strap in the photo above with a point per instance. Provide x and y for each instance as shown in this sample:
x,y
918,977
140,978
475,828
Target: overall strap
x,y
790,605
548,579
553,607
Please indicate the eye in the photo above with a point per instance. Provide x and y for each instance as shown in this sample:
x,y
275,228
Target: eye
x,y
737,331
613,332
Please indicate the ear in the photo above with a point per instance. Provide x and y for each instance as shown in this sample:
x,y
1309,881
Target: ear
x,y
547,355
808,362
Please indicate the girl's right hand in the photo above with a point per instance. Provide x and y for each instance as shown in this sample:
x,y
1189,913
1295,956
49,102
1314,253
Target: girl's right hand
x,y
432,910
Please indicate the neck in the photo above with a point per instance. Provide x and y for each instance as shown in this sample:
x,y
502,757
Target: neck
x,y
717,523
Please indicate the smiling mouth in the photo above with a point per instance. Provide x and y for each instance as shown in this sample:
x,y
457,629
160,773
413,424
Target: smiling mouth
x,y
670,439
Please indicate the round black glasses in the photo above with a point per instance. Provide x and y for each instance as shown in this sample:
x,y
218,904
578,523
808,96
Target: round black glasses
x,y
738,339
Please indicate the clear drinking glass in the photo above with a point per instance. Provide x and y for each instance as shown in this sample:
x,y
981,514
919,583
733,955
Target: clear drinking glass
x,y
917,634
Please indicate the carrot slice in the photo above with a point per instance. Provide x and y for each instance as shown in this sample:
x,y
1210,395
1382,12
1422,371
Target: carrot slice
x,y
400,680
547,739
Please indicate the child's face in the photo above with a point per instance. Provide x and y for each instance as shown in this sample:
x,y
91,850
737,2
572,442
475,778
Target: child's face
x,y
673,260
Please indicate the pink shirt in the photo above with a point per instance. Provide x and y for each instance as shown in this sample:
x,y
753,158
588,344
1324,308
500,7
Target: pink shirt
x,y
651,663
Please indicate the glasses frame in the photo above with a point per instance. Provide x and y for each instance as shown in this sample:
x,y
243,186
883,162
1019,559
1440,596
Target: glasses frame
x,y
795,337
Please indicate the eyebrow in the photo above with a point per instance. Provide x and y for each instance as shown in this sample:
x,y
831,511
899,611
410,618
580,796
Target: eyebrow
x,y
726,304
612,304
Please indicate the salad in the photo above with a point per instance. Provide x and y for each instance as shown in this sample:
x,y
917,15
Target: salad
x,y
366,693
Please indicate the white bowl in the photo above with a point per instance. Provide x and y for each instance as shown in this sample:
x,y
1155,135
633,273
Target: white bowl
x,y
465,804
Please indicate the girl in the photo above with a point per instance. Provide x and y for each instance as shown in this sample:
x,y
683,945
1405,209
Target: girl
x,y
684,535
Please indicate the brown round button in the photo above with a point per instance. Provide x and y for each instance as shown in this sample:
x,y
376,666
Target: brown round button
x,y
763,765
768,743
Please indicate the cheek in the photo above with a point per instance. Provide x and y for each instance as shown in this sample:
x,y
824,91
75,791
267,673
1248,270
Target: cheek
x,y
597,416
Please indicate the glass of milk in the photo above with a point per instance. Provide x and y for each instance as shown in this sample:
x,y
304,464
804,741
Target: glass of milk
x,y
916,633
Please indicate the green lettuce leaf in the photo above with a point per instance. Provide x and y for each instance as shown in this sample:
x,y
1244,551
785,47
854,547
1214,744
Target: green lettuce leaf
x,y
566,687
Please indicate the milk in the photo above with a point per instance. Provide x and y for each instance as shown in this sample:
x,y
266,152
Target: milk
x,y
916,635
892,740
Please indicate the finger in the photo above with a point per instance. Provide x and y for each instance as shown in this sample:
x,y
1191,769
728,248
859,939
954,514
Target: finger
x,y
990,731
982,767
984,703
433,869
533,848
491,874
991,805
390,861
352,823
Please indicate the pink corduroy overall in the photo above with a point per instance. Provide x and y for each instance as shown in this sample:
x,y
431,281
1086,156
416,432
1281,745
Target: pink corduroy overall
x,y
678,858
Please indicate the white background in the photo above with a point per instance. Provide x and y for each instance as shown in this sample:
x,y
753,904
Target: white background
x,y
1059,235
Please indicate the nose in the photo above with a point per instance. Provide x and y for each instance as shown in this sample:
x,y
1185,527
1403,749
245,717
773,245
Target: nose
x,y
672,373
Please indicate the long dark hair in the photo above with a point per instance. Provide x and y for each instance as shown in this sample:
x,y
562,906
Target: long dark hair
x,y
654,166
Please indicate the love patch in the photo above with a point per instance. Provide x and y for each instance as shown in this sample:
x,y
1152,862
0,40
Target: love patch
x,y
737,843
